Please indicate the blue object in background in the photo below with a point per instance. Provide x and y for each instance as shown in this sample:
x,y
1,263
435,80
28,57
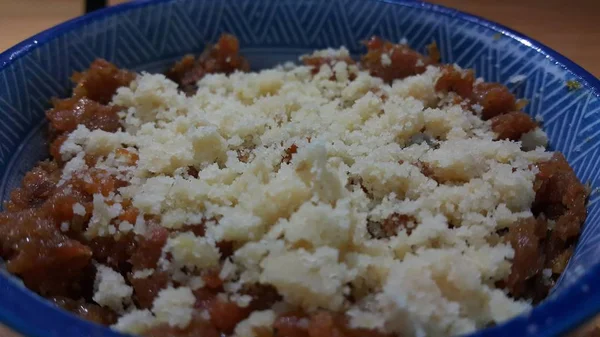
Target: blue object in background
x,y
150,35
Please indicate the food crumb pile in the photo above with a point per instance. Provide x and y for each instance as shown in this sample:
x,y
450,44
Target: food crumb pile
x,y
394,196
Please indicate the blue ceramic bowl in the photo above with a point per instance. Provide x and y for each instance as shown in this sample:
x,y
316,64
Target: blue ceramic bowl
x,y
149,35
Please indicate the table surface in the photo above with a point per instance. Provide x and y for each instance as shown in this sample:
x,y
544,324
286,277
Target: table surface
x,y
572,30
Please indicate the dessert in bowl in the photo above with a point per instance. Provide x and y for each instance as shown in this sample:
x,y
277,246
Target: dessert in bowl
x,y
385,194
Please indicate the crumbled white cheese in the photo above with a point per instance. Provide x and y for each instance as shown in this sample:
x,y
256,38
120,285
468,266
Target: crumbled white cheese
x,y
73,144
243,301
79,209
102,215
125,226
144,273
174,306
64,226
110,289
320,225
228,270
196,282
135,322
191,251
477,108
308,280
385,60
256,321
534,139
442,286
293,168
331,53
365,319
73,166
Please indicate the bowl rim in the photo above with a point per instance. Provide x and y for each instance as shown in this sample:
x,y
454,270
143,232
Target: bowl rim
x,y
29,314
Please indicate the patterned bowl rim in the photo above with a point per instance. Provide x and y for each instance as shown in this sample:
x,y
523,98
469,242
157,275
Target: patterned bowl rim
x,y
25,312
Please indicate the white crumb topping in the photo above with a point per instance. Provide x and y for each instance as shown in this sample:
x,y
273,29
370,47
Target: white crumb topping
x,y
196,282
257,320
477,108
243,301
144,273
103,213
174,306
308,280
135,322
296,170
339,53
534,139
110,289
365,319
228,270
64,226
190,251
385,60
76,164
78,209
